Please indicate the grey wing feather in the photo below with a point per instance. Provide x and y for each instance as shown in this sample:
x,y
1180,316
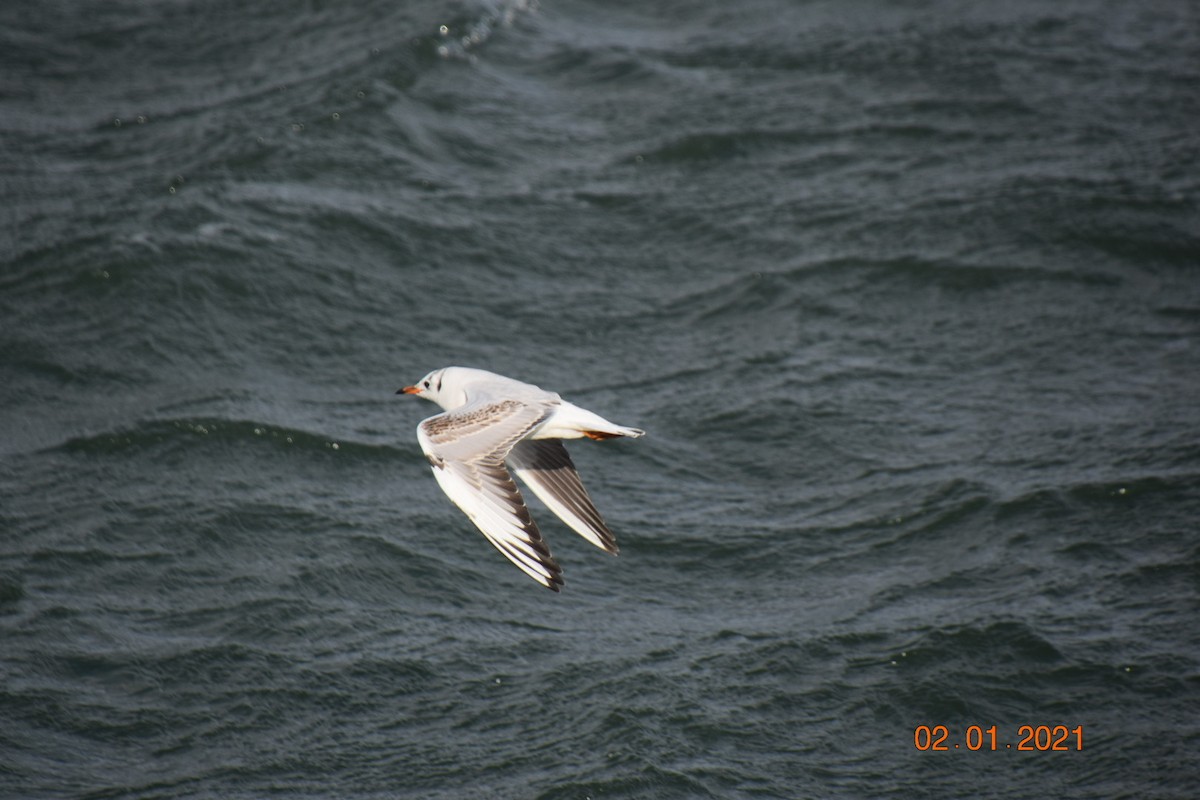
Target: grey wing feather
x,y
478,430
545,467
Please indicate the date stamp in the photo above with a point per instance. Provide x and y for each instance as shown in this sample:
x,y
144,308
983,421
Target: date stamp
x,y
1029,738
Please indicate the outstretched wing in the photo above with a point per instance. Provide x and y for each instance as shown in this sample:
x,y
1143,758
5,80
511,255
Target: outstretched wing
x,y
545,467
466,448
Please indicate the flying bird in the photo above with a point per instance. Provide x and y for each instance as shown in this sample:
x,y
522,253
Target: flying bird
x,y
493,428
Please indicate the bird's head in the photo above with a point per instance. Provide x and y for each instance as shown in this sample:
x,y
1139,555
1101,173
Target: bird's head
x,y
442,386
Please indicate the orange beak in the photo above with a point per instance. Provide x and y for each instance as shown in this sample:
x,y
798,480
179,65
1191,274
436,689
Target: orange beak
x,y
409,390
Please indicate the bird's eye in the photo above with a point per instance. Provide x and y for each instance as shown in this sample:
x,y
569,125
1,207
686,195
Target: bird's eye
x,y
426,384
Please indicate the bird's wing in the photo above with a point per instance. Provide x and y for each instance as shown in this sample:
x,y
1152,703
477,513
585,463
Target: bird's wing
x,y
545,467
466,448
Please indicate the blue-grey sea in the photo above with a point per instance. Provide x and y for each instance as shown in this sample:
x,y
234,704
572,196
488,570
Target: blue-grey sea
x,y
906,294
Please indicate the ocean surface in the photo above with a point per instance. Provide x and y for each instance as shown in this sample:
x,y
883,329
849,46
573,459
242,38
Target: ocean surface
x,y
905,293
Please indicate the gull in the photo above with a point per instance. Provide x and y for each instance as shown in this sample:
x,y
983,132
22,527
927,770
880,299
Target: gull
x,y
493,428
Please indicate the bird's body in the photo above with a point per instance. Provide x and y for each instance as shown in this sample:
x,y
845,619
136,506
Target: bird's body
x,y
494,427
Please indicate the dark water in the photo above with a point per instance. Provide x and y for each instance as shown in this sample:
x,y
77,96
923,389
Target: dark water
x,y
906,295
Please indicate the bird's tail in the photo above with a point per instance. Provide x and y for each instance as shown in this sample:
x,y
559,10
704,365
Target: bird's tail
x,y
570,422
615,432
